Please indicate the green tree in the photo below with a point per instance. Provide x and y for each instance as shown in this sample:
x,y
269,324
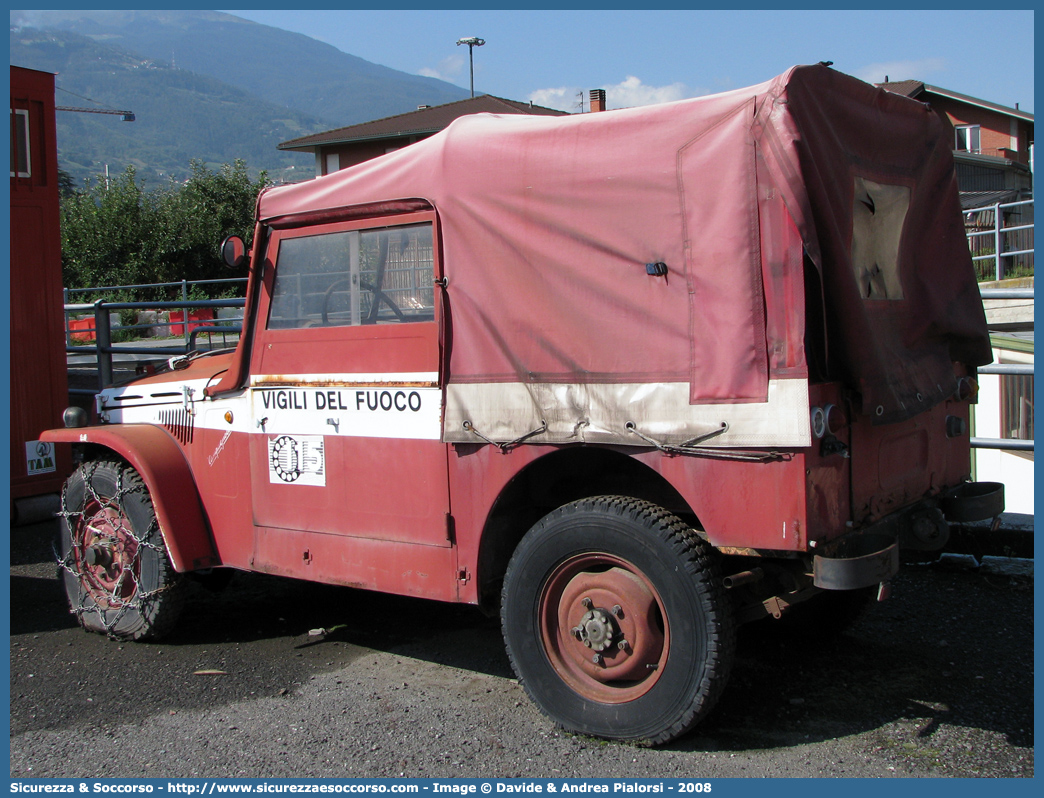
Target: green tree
x,y
193,218
66,183
115,232
105,228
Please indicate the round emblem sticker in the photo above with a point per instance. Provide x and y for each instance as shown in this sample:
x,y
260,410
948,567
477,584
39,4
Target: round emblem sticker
x,y
286,458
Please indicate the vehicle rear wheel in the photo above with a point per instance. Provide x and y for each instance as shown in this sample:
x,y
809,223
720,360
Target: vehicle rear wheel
x,y
615,620
113,562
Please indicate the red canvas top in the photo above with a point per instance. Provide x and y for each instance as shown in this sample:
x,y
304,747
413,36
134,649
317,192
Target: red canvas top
x,y
547,226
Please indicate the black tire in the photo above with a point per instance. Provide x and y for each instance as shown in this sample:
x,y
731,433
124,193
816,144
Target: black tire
x,y
652,582
112,559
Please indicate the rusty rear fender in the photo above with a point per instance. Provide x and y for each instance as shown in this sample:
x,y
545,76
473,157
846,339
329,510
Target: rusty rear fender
x,y
159,459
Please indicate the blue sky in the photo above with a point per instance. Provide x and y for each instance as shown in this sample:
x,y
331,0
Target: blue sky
x,y
652,56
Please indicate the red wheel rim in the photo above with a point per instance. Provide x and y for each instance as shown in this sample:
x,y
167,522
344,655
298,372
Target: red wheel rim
x,y
604,627
106,553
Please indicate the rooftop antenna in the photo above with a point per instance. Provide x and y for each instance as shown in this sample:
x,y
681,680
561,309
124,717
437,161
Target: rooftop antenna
x,y
472,42
580,94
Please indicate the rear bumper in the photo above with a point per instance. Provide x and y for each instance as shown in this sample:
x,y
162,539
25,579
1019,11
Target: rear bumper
x,y
870,556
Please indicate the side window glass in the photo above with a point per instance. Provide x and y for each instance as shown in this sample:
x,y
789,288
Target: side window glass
x,y
353,277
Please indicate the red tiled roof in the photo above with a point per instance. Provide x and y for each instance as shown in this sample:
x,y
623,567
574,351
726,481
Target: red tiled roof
x,y
908,88
422,121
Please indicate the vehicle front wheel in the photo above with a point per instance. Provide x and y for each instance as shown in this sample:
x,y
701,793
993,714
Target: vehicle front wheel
x,y
113,562
615,620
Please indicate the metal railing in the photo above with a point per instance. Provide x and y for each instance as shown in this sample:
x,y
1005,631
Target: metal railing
x,y
1006,369
106,350
992,238
103,347
185,285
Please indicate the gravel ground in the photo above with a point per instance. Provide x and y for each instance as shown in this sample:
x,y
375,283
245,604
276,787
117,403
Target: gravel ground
x,y
937,681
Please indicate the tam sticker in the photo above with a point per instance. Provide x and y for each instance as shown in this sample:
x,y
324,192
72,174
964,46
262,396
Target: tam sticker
x,y
39,458
297,460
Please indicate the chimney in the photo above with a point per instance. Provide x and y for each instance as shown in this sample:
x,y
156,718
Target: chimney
x,y
422,107
597,100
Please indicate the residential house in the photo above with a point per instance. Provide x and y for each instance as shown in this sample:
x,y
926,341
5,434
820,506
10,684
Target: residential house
x,y
347,146
992,143
1005,412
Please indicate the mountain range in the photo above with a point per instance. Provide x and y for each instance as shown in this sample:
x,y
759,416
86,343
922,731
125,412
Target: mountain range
x,y
204,86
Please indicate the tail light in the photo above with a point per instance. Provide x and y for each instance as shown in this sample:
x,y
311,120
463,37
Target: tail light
x,y
818,419
835,419
829,420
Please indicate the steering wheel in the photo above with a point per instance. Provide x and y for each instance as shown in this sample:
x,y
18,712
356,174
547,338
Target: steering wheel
x,y
378,297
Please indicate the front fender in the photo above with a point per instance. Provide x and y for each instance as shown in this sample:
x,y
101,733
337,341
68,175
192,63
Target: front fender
x,y
162,464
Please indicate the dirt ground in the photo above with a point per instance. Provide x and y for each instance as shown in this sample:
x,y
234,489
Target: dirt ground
x,y
937,681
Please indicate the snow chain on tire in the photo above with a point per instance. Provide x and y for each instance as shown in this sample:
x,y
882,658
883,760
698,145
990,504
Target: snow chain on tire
x,y
125,606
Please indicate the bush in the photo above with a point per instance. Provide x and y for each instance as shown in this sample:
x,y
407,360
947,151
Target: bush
x,y
114,232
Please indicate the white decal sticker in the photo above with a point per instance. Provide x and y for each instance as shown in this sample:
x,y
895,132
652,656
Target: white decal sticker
x,y
297,460
406,412
39,457
224,439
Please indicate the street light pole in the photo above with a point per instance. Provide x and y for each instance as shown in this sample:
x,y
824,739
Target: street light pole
x,y
472,42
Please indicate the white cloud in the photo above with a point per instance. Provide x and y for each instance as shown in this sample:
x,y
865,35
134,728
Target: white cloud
x,y
627,94
632,92
448,69
900,70
565,98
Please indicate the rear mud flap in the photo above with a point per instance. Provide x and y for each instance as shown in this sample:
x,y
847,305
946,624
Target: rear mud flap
x,y
973,501
872,556
859,561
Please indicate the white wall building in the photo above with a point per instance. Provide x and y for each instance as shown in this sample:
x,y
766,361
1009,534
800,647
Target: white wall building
x,y
1005,410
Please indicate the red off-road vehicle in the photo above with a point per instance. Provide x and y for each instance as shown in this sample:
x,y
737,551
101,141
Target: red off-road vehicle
x,y
631,377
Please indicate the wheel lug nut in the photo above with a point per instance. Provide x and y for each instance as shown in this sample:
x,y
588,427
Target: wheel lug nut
x,y
617,610
597,659
623,645
587,602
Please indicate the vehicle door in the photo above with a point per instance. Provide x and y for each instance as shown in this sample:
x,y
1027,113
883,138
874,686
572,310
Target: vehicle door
x,y
345,395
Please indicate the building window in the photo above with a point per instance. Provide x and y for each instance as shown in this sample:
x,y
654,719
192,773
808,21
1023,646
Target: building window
x,y
967,138
1016,410
20,161
333,162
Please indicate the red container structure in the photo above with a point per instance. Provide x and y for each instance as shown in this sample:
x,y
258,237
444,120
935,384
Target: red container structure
x,y
39,384
202,316
81,329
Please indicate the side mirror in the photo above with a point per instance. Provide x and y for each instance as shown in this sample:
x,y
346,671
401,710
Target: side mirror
x,y
233,252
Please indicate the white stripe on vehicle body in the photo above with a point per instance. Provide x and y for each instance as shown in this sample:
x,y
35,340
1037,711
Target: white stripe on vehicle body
x,y
410,406
601,412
